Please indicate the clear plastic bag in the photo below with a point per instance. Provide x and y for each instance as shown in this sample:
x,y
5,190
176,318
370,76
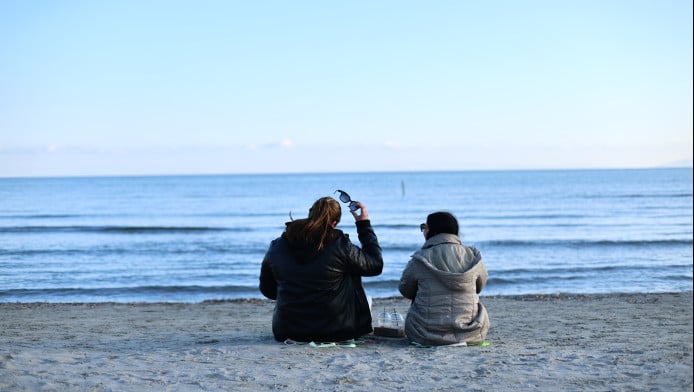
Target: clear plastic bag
x,y
389,324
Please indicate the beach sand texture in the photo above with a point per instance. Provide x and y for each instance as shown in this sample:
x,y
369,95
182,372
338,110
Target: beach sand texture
x,y
616,342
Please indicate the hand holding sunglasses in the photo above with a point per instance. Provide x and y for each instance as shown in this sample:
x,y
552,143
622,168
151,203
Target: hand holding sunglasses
x,y
353,206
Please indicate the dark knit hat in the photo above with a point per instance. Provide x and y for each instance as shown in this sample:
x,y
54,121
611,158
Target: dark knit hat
x,y
442,222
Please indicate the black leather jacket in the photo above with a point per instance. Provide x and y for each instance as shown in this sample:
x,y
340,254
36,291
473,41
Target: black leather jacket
x,y
320,296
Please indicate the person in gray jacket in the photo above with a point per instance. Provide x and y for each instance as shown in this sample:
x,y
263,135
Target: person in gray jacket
x,y
443,279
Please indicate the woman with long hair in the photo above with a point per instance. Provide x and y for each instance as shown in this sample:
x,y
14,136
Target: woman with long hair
x,y
314,272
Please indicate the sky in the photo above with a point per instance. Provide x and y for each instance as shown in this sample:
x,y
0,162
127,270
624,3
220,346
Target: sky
x,y
123,87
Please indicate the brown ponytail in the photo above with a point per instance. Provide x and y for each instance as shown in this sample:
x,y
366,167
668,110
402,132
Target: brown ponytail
x,y
316,230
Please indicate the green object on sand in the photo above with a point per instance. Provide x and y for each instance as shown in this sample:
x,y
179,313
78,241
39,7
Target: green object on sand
x,y
463,344
346,343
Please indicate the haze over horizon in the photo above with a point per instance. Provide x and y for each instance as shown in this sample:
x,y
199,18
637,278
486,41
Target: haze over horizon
x,y
222,87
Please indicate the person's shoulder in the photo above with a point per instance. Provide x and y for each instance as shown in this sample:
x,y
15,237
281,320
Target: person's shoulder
x,y
472,250
420,257
278,242
342,238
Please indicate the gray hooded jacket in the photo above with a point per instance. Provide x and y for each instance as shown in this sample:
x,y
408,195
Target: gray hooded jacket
x,y
443,280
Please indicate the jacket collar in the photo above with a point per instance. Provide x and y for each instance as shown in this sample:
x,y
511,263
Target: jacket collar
x,y
442,238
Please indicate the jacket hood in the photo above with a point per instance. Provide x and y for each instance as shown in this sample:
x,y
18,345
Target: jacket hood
x,y
449,261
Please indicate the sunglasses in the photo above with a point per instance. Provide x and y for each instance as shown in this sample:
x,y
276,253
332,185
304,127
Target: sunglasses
x,y
344,197
423,227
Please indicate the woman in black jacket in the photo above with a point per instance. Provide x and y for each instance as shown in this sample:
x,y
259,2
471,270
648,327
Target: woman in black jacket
x,y
314,273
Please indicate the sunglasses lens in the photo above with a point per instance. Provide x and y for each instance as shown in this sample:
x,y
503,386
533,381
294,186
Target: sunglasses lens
x,y
353,206
423,226
344,197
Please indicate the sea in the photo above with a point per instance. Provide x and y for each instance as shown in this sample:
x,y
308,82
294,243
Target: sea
x,y
203,237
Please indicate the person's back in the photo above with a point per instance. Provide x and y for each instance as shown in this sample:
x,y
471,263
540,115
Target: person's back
x,y
443,279
316,278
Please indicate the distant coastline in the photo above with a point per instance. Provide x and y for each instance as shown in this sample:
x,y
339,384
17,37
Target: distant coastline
x,y
684,164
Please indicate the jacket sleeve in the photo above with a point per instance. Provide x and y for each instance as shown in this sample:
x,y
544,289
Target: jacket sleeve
x,y
268,284
408,281
481,278
367,260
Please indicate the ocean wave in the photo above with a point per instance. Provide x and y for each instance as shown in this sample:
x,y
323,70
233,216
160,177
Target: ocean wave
x,y
519,281
42,216
239,214
119,229
578,243
541,275
178,291
205,247
687,195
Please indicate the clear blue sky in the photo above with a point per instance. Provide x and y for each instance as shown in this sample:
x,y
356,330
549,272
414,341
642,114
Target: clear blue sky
x,y
186,87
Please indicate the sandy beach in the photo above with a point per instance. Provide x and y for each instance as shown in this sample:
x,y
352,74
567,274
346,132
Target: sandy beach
x,y
623,342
